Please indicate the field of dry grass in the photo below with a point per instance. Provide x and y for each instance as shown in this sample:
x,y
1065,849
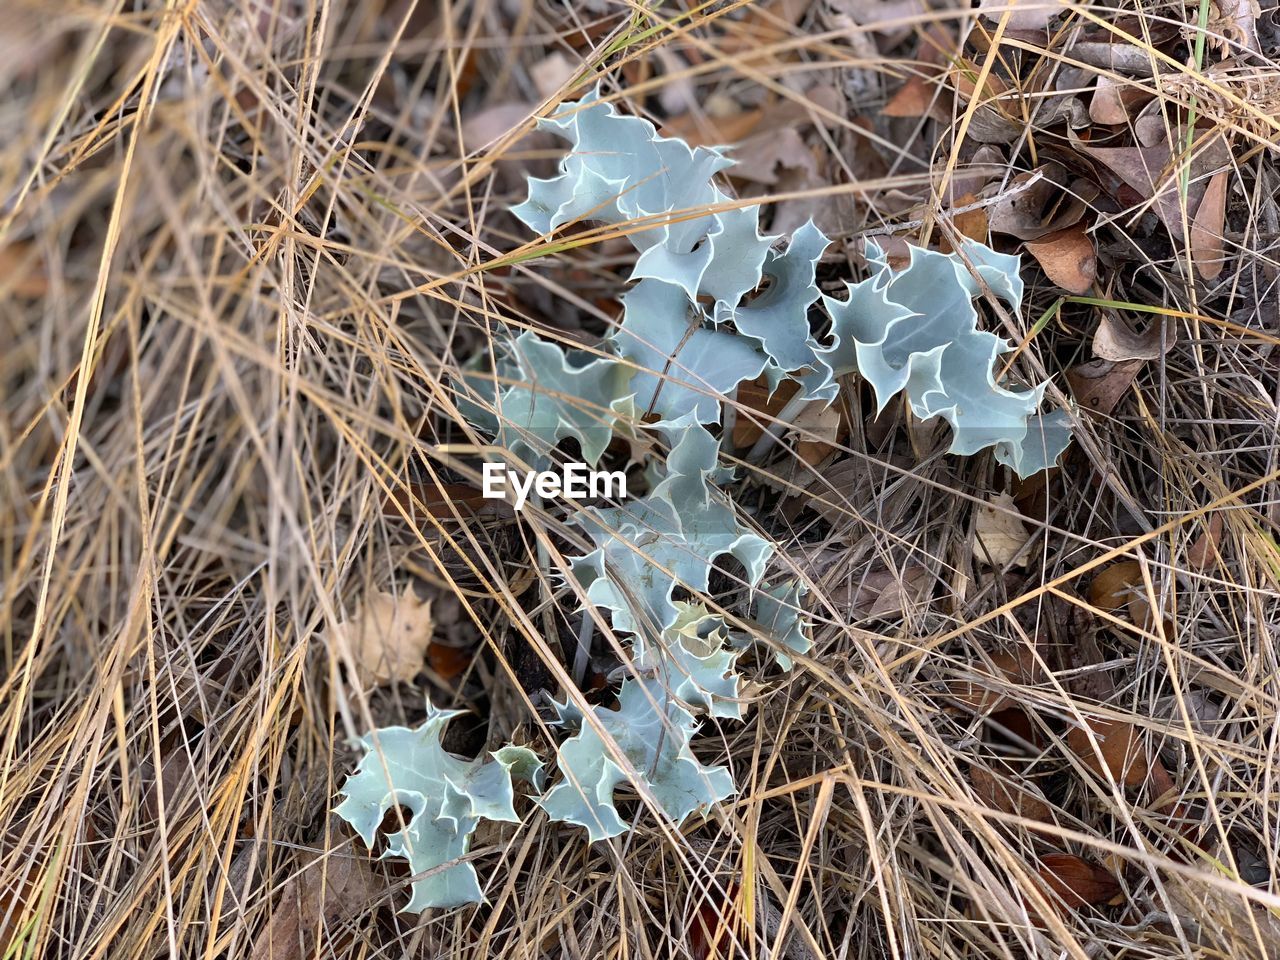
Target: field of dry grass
x,y
245,246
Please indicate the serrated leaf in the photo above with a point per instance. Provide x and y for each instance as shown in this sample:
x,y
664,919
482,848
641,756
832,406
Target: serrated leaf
x,y
619,170
780,617
684,366
560,394
649,734
916,330
447,797
779,316
672,536
695,661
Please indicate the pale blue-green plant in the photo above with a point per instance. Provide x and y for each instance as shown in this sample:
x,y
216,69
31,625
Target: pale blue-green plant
x,y
446,797
715,303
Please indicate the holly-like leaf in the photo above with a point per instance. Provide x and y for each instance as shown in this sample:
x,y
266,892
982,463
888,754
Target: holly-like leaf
x,y
670,537
544,394
916,330
446,796
645,741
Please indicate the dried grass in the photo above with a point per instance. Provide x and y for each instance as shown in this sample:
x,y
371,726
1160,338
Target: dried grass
x,y
244,248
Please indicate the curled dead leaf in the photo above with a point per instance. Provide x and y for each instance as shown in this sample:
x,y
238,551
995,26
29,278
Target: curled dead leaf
x,y
1112,589
1121,586
816,430
716,923
1116,340
1152,173
1040,202
1067,258
448,661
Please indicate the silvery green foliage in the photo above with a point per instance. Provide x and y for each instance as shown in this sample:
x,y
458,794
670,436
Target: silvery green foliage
x,y
696,658
693,329
916,330
645,742
619,171
779,616
541,394
671,537
447,796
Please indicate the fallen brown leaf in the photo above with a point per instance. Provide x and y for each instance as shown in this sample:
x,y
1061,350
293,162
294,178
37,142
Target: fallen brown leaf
x,y
1009,796
551,73
1116,340
1020,14
1113,588
1124,757
1075,881
1207,228
1098,385
1040,202
1122,58
708,129
716,924
325,893
885,593
822,428
1018,666
22,271
388,636
1067,258
755,398
437,500
970,223
1108,106
999,533
762,155
1151,173
917,97
448,661
1203,553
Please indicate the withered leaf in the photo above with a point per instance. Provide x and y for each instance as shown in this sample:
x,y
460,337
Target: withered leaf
x,y
1076,882
1008,795
1067,258
1098,385
326,893
1116,340
388,636
999,533
1207,229
1124,756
